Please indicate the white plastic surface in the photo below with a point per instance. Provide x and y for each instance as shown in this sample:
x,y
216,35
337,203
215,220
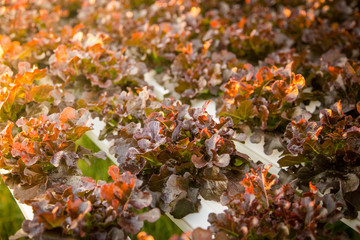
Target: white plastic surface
x,y
104,145
256,153
25,209
199,219
211,108
159,90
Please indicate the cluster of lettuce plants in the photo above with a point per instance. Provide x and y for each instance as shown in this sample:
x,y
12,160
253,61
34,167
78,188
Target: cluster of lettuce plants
x,y
263,62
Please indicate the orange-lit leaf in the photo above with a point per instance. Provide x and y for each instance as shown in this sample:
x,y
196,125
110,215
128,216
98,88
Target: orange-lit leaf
x,y
144,236
107,191
114,172
232,88
61,54
241,23
287,12
299,81
292,93
215,23
67,114
40,93
312,187
30,77
195,11
263,75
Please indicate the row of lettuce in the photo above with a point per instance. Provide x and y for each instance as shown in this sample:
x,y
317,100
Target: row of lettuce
x,y
262,62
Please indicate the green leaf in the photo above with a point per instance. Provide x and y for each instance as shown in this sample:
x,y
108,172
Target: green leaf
x,y
243,110
40,93
239,162
290,160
